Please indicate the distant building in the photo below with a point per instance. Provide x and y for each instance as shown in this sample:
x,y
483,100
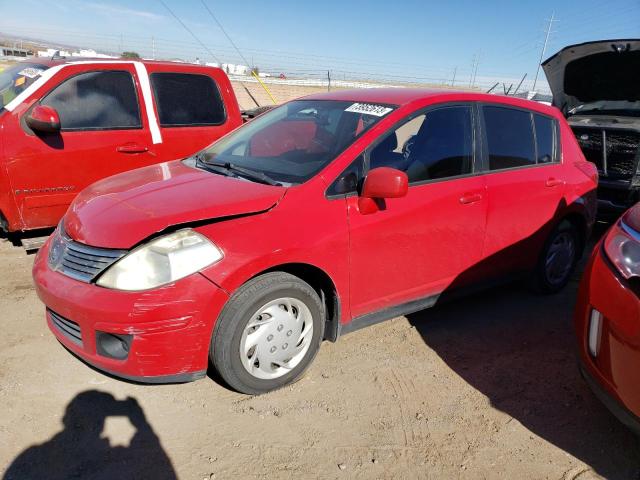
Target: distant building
x,y
82,53
15,52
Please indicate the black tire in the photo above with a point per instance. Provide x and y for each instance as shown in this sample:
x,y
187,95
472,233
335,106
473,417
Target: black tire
x,y
225,341
542,281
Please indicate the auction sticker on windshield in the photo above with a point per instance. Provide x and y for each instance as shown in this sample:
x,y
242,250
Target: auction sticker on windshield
x,y
31,72
369,109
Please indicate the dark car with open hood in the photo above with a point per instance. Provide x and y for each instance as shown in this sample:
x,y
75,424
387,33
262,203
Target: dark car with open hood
x,y
597,87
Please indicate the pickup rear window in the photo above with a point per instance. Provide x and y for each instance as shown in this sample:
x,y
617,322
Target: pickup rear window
x,y
186,99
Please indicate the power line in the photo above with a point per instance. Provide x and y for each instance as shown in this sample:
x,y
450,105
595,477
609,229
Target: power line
x,y
215,19
189,30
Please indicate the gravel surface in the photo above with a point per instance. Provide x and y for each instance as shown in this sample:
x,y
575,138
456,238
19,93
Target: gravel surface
x,y
484,387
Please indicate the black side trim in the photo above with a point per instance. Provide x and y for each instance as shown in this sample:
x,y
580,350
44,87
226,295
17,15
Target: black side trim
x,y
177,378
619,411
388,313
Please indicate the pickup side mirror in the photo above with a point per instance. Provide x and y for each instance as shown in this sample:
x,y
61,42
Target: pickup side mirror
x,y
385,182
44,119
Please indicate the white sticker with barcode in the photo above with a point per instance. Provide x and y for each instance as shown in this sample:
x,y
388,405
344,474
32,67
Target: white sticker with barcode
x,y
369,109
31,72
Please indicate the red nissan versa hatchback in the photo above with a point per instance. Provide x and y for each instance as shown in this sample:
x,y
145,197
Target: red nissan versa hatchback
x,y
324,215
608,319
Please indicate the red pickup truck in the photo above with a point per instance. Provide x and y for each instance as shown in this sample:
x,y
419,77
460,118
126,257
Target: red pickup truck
x,y
65,124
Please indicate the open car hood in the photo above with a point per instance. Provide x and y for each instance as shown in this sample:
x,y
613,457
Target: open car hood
x,y
121,211
592,71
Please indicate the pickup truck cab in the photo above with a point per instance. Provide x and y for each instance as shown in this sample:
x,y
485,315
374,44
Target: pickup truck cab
x,y
65,124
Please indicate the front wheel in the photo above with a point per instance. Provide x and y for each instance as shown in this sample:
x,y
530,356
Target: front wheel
x,y
558,259
268,333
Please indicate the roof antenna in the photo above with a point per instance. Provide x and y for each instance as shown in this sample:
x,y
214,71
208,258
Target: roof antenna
x,y
56,55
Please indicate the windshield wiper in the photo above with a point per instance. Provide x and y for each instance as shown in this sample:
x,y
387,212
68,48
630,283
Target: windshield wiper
x,y
237,170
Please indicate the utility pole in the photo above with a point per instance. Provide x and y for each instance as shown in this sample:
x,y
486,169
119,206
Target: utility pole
x,y
474,69
453,80
328,81
473,66
153,47
544,49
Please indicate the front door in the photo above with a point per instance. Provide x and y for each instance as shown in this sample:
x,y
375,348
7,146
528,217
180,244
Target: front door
x,y
420,245
103,133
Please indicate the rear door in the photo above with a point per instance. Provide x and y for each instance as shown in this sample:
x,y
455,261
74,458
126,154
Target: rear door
x,y
415,247
103,133
525,184
195,107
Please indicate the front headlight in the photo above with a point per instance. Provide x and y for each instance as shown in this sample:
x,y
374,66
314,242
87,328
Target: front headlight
x,y
622,246
163,260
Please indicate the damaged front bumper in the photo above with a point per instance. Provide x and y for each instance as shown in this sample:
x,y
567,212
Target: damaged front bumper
x,y
153,336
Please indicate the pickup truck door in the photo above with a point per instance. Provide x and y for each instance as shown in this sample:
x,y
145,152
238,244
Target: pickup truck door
x,y
195,107
104,131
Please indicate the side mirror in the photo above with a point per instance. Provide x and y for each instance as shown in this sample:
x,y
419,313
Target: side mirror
x,y
44,119
385,182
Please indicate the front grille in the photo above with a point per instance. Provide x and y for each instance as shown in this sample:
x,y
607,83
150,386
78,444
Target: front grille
x,y
622,153
67,328
80,261
590,141
615,152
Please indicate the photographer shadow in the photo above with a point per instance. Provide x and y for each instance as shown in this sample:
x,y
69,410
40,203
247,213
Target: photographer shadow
x,y
81,451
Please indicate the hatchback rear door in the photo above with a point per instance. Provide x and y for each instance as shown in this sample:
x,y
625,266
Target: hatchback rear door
x,y
415,247
525,184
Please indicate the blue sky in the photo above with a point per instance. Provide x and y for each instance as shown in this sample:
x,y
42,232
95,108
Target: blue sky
x,y
400,40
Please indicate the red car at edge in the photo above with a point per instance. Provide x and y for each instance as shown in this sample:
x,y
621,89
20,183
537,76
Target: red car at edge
x,y
607,316
327,214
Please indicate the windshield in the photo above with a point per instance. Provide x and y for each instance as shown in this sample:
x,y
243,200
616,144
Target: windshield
x,y
608,107
292,143
14,80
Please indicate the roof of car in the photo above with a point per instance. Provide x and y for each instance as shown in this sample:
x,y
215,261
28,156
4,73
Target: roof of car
x,y
404,96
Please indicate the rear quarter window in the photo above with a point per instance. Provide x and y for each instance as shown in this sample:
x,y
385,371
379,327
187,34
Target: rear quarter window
x,y
546,149
186,99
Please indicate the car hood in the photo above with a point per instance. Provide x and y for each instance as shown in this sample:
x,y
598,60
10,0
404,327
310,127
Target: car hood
x,y
592,71
121,211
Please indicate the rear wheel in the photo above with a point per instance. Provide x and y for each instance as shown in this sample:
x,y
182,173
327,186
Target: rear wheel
x,y
268,333
558,259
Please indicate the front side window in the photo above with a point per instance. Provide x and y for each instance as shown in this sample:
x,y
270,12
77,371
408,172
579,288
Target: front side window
x,y
185,99
431,146
292,143
510,140
105,100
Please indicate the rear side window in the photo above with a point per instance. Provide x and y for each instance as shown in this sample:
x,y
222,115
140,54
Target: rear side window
x,y
104,100
432,146
185,99
545,138
510,140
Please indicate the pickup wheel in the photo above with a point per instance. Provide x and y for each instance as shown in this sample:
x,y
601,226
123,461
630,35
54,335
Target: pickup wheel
x,y
558,259
268,333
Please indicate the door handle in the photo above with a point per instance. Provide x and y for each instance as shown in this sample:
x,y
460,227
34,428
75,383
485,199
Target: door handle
x,y
131,148
468,198
553,182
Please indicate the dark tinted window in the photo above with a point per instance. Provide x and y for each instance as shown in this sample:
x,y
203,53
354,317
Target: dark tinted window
x,y
438,144
545,138
95,101
509,137
186,99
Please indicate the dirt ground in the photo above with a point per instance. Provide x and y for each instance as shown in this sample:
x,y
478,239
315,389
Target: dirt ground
x,y
486,387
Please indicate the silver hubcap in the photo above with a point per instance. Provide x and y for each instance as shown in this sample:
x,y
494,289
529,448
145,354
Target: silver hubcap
x,y
276,338
560,258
